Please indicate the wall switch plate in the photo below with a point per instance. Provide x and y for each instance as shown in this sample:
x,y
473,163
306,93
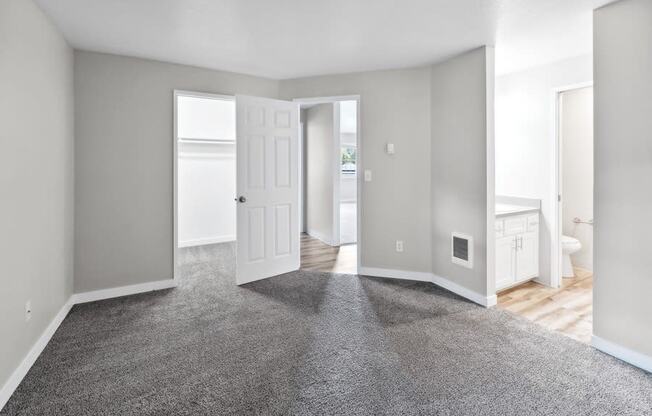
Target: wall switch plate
x,y
367,175
28,310
389,148
399,246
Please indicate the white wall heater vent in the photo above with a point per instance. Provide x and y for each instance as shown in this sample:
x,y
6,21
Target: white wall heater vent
x,y
462,249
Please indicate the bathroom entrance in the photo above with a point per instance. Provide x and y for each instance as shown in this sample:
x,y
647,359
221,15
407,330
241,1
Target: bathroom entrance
x,y
575,182
575,208
544,200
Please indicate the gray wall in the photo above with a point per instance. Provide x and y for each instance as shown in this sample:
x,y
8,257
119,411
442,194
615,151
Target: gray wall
x,y
394,107
320,153
123,152
462,94
623,166
36,177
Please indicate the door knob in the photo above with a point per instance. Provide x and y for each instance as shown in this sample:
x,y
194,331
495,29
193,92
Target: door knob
x,y
241,199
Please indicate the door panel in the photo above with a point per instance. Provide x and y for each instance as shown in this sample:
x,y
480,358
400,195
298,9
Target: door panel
x,y
267,180
527,260
505,261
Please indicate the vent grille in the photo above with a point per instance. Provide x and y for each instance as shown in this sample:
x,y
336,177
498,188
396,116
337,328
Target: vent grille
x,y
462,250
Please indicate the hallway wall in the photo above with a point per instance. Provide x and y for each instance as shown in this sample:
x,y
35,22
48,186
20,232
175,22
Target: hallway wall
x,y
37,181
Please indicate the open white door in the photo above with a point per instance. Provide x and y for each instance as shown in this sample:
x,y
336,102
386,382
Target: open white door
x,y
268,188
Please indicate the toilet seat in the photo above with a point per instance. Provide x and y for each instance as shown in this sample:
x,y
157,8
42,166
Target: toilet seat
x,y
570,243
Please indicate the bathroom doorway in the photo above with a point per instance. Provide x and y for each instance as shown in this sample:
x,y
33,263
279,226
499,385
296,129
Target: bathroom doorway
x,y
574,183
574,231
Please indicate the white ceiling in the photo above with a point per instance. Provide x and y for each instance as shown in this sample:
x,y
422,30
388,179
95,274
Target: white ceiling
x,y
296,38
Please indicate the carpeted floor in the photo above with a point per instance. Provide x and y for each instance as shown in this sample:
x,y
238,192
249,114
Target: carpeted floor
x,y
310,343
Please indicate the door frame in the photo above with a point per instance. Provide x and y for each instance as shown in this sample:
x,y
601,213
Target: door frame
x,y
175,168
359,168
557,188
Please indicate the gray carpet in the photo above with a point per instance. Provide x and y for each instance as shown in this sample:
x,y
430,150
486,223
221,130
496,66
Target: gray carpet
x,y
311,343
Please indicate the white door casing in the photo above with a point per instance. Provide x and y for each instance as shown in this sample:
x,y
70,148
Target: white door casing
x,y
267,133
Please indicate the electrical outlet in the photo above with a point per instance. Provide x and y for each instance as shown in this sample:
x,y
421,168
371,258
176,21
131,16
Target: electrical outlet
x,y
367,175
399,246
28,310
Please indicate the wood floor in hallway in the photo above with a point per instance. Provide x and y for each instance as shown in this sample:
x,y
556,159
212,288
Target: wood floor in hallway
x,y
319,256
568,309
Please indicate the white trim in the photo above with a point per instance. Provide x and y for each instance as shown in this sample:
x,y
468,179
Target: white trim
x,y
336,174
302,220
490,149
395,274
175,185
632,357
556,220
359,167
486,301
206,241
122,291
197,94
329,99
19,373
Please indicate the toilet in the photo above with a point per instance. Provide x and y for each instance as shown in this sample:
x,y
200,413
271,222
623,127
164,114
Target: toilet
x,y
569,245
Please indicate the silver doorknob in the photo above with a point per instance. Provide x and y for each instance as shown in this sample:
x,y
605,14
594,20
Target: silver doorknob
x,y
241,199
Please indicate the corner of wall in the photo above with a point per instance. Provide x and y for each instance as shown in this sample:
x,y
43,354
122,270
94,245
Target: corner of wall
x,y
462,119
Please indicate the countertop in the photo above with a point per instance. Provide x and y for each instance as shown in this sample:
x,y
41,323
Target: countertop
x,y
510,209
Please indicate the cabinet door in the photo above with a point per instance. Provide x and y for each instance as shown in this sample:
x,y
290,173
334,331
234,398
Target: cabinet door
x,y
505,261
527,256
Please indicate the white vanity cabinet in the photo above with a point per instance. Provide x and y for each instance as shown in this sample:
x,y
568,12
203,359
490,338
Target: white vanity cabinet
x,y
517,249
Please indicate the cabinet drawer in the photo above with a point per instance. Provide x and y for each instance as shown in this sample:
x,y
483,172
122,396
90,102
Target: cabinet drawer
x,y
533,222
514,225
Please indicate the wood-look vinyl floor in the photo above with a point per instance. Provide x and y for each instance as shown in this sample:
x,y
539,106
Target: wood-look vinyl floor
x,y
319,256
568,309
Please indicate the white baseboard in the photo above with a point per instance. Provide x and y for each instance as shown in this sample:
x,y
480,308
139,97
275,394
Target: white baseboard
x,y
395,274
115,292
206,241
632,357
321,237
486,301
19,373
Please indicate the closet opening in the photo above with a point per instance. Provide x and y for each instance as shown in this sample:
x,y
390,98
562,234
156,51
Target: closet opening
x,y
204,182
